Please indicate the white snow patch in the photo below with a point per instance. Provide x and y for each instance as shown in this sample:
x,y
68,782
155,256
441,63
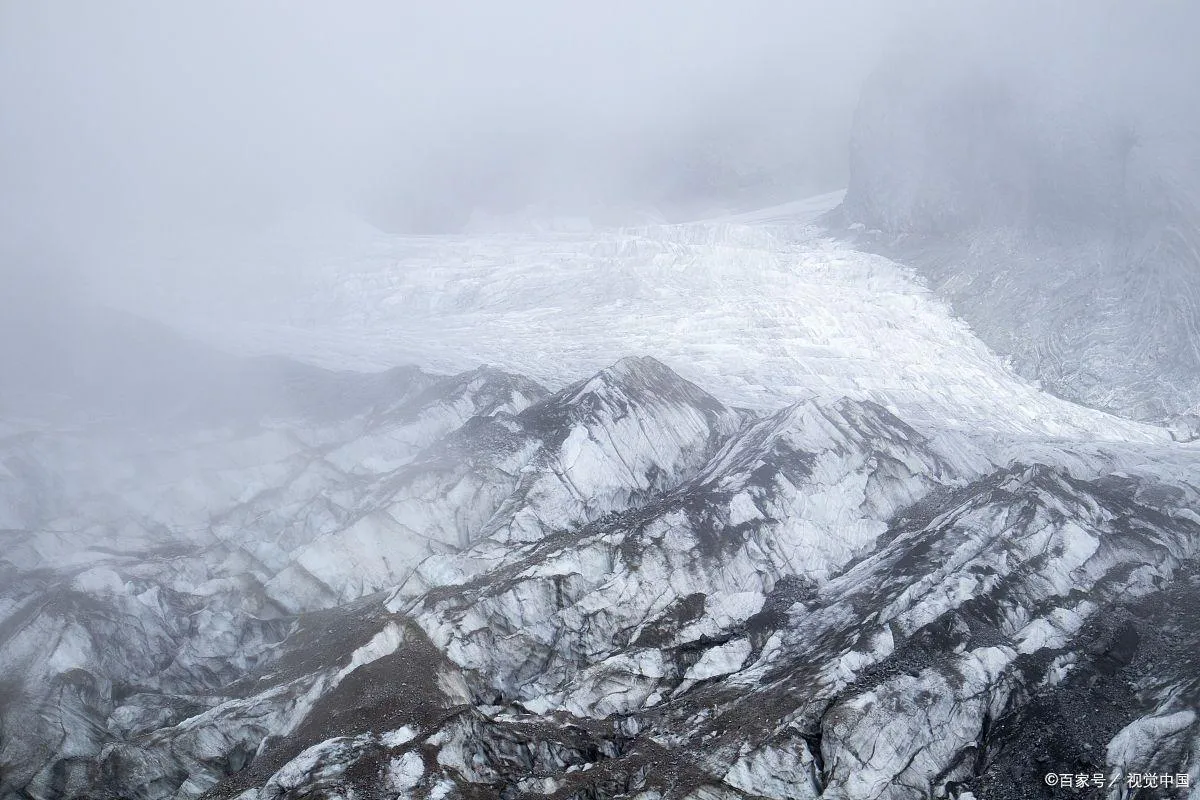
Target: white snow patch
x,y
721,660
398,737
405,772
1134,744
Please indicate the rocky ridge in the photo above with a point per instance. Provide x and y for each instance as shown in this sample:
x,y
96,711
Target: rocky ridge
x,y
469,587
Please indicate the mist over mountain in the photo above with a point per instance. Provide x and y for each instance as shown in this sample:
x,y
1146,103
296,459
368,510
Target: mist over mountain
x,y
1053,200
542,401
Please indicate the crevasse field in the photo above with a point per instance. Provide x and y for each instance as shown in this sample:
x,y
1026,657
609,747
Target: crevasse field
x,y
760,308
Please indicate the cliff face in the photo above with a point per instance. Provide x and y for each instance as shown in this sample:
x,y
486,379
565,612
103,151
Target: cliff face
x,y
1064,231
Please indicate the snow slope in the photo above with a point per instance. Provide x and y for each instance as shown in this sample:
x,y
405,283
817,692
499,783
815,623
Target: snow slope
x,y
760,308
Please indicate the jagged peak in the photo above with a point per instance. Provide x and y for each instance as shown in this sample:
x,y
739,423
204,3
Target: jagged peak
x,y
830,422
633,368
488,375
1045,480
812,426
1037,483
635,373
637,380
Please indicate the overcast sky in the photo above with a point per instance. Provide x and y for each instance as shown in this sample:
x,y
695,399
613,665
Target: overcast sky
x,y
119,118
117,111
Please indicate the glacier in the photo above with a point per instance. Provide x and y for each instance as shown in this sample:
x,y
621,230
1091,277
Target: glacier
x,y
762,308
732,510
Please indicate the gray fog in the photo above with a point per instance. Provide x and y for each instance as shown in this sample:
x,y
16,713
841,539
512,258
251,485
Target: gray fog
x,y
126,116
132,131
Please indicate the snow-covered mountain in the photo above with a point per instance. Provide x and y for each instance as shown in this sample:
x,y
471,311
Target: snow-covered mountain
x,y
765,520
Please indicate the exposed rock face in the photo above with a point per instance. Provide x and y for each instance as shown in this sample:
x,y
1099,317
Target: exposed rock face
x,y
467,587
1064,230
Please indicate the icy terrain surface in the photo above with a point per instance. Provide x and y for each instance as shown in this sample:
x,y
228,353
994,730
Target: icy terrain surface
x,y
766,521
760,308
464,587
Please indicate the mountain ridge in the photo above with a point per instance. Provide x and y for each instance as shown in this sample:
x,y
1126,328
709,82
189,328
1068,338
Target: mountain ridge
x,y
574,638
